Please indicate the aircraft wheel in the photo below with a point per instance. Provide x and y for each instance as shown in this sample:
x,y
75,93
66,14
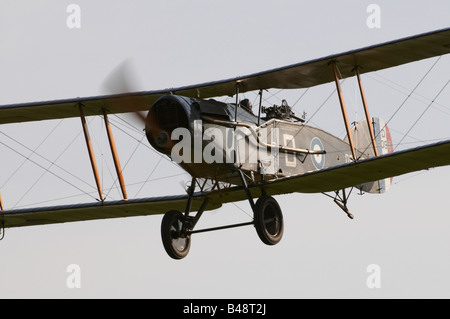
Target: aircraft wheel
x,y
175,243
268,220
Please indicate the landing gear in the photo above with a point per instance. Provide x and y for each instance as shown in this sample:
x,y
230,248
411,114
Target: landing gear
x,y
175,239
177,228
268,220
342,201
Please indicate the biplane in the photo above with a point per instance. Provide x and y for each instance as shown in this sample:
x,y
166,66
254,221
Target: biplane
x,y
237,152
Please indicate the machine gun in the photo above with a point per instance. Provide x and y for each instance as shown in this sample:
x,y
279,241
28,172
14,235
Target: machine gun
x,y
283,112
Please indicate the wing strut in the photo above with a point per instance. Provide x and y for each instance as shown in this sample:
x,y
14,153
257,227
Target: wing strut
x,y
115,155
91,151
2,220
260,106
343,109
237,102
366,111
1,203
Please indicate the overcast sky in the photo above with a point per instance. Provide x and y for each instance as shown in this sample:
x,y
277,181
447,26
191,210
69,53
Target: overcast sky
x,y
171,43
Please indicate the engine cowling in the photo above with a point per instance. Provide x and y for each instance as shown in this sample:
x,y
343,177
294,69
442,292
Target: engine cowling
x,y
172,112
166,114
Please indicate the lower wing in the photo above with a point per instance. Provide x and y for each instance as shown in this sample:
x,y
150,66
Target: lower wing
x,y
330,179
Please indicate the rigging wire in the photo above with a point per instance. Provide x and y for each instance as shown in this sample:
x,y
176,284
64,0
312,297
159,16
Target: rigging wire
x,y
53,163
47,170
404,101
95,192
409,95
399,88
161,157
150,175
423,113
275,95
242,210
27,158
301,96
32,152
139,142
307,89
322,105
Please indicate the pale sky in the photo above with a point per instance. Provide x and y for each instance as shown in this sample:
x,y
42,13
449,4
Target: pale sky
x,y
172,43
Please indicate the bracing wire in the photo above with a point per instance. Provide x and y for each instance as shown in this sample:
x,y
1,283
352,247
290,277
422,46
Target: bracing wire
x,y
47,170
149,176
53,163
95,192
399,88
161,157
32,152
413,90
421,115
405,100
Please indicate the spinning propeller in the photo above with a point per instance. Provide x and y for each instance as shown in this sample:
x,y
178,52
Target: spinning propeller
x,y
124,80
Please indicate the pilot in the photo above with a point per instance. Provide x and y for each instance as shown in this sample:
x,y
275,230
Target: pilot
x,y
246,104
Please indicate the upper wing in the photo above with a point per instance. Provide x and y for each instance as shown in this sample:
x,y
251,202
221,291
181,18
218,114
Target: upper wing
x,y
301,75
330,179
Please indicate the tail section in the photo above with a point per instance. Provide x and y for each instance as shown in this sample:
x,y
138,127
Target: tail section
x,y
363,143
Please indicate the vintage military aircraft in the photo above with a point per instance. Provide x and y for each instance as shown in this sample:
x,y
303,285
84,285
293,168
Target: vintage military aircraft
x,y
234,153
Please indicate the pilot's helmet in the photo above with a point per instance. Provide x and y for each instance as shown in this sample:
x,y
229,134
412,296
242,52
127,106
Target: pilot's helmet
x,y
246,103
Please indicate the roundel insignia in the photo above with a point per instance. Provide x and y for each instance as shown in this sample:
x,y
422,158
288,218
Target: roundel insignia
x,y
317,159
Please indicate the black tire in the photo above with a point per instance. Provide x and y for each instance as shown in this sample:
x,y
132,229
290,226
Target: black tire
x,y
268,220
176,245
